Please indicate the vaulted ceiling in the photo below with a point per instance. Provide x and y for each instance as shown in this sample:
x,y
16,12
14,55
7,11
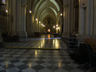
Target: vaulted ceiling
x,y
46,10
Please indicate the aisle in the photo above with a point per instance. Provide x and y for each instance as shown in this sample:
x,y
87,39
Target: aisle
x,y
44,42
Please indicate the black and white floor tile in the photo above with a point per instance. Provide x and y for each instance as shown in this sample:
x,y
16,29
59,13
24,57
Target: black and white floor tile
x,y
25,59
29,60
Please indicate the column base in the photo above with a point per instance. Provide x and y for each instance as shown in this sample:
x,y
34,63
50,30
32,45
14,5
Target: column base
x,y
22,36
31,35
1,45
65,35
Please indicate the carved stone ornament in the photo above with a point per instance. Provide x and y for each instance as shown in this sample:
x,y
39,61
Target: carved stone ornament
x,y
83,3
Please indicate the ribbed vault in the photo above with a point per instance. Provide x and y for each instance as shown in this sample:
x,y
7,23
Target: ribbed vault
x,y
46,11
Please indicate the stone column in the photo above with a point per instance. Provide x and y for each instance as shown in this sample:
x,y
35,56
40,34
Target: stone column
x,y
65,17
30,18
13,18
33,24
94,24
89,17
29,24
64,21
71,16
21,18
1,41
82,19
68,17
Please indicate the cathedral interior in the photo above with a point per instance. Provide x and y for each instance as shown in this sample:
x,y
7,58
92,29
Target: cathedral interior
x,y
47,36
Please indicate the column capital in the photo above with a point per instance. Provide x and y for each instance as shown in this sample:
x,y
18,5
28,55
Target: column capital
x,y
83,3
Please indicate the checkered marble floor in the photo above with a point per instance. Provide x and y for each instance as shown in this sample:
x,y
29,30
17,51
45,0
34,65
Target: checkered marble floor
x,y
32,60
23,58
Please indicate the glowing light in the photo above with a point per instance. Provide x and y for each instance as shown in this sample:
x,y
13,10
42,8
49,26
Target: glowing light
x,y
61,14
53,26
36,53
36,19
56,44
58,28
42,43
6,11
49,30
42,25
39,22
57,25
49,36
30,11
